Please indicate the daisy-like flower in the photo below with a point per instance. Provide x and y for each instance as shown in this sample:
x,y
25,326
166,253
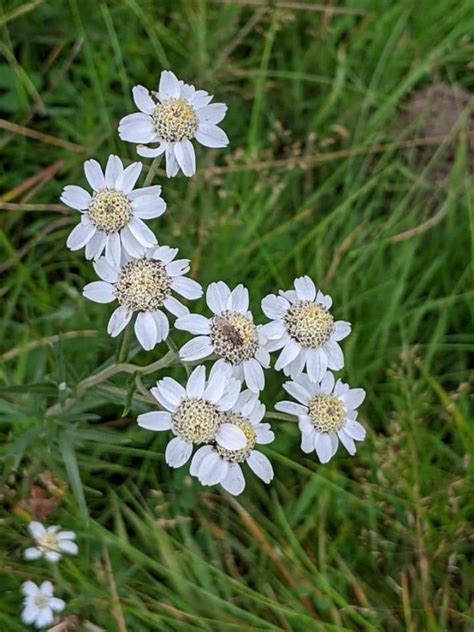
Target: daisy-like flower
x,y
195,414
305,330
326,414
144,285
230,334
172,117
40,604
213,464
50,542
112,217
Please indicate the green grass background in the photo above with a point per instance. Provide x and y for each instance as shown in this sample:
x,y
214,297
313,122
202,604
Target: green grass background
x,y
318,179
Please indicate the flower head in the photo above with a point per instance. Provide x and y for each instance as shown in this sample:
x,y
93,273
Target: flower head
x,y
305,330
230,334
172,117
50,542
195,413
213,464
144,285
112,217
326,414
39,604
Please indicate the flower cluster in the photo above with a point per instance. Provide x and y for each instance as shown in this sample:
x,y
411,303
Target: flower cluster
x,y
39,603
218,411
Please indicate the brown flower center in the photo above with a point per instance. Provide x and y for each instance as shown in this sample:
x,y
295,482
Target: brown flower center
x,y
234,337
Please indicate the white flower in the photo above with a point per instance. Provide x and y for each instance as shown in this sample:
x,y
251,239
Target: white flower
x,y
144,285
213,464
326,414
305,330
51,543
195,414
112,217
40,604
230,334
172,117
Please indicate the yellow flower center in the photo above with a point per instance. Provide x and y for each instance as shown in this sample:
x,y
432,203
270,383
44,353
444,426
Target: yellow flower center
x,y
327,413
143,285
309,323
48,542
196,420
110,211
234,337
175,120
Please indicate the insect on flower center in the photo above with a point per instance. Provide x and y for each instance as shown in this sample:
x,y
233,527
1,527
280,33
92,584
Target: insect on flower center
x,y
41,600
237,456
309,323
174,120
48,542
143,285
196,420
327,413
234,337
110,211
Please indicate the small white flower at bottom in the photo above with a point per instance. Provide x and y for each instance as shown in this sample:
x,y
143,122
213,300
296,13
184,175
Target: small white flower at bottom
x,y
40,604
172,117
195,414
144,285
326,414
112,218
230,334
213,464
305,330
51,543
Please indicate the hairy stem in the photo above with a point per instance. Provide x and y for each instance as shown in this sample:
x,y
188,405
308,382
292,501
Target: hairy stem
x,y
152,170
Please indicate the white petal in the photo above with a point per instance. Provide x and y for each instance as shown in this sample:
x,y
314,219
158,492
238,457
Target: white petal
x,y
254,376
212,469
99,292
165,254
169,86
198,458
172,166
263,434
29,588
274,306
95,245
210,135
234,482
178,452
194,323
105,271
305,288
334,355
118,321
113,169
52,556
347,442
178,267
137,128
76,197
184,152
217,296
149,206
231,437
231,394
32,553
149,152
162,400
239,299
196,382
323,447
325,300
175,307
156,421
80,235
36,529
263,357
274,329
289,353
327,383
127,180
216,386
305,424
197,348
260,465
153,191
66,535
44,618
213,113
94,175
131,244
334,443
291,408
30,613
297,391
199,98
142,233
143,100
316,362
56,604
188,288
171,390
307,442
295,368
257,414
341,330
353,397
145,330
355,430
162,325
113,250
66,546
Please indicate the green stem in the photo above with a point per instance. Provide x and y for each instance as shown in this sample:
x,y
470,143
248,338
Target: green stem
x,y
152,170
124,344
